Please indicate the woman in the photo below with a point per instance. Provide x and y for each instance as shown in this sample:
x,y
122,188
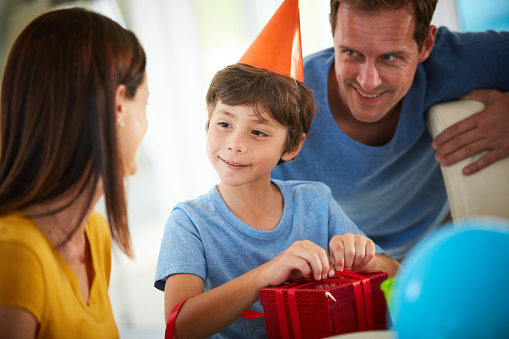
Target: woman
x,y
72,117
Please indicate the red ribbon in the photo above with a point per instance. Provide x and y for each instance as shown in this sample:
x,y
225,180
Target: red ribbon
x,y
362,292
170,325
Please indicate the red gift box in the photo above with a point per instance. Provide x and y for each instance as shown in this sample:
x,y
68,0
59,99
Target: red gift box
x,y
352,301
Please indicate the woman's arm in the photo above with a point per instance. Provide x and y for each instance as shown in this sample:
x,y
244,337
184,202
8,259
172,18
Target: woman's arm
x,y
17,322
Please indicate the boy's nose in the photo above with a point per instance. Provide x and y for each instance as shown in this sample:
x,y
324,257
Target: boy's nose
x,y
236,144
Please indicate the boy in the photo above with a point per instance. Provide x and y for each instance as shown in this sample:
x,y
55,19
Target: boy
x,y
249,231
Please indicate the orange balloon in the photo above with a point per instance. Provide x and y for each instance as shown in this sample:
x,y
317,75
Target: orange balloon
x,y
278,47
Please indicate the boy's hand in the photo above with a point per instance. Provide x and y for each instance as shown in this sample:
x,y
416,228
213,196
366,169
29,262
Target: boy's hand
x,y
302,259
351,251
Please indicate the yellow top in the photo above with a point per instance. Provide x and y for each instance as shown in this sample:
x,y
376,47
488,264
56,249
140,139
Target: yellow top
x,y
34,276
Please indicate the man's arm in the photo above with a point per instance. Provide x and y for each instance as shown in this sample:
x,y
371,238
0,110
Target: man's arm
x,y
487,130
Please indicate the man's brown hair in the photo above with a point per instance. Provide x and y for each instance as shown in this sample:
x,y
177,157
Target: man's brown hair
x,y
423,11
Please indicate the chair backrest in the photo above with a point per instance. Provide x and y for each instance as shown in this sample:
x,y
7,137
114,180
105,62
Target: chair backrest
x,y
483,193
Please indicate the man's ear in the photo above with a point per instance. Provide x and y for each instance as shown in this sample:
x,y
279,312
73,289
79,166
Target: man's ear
x,y
289,155
428,43
119,103
330,22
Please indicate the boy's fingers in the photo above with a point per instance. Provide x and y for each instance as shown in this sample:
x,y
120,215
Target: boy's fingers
x,y
317,258
337,250
349,250
360,253
368,256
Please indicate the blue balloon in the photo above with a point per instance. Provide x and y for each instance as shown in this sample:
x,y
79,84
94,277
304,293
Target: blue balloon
x,y
455,283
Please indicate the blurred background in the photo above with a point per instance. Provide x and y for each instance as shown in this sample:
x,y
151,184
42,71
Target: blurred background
x,y
187,42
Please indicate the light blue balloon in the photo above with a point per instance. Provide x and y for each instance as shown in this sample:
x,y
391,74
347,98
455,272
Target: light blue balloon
x,y
455,283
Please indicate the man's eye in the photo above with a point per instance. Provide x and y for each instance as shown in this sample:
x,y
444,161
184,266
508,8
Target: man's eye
x,y
389,57
350,52
259,133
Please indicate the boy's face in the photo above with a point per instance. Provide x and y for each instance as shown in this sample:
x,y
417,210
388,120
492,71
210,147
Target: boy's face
x,y
242,148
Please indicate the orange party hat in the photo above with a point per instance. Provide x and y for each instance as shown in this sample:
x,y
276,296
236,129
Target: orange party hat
x,y
278,47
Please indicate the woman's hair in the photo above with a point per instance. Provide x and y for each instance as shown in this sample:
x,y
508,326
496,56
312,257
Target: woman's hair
x,y
287,100
423,12
58,120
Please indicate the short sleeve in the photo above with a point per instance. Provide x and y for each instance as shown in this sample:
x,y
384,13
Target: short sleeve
x,y
21,279
181,249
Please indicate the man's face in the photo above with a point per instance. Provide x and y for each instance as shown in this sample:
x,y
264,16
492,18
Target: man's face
x,y
376,59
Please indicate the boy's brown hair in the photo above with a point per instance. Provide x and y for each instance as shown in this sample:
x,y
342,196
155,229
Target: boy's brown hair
x,y
287,100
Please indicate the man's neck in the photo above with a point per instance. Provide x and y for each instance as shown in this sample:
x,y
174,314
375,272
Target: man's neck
x,y
372,134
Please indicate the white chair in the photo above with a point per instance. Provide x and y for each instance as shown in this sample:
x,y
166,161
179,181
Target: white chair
x,y
485,193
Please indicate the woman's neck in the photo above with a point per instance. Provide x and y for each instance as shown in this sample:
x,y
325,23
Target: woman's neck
x,y
59,217
66,230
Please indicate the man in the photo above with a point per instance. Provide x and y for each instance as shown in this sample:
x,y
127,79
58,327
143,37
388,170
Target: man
x,y
369,140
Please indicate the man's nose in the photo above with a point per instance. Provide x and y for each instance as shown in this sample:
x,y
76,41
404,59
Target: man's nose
x,y
369,77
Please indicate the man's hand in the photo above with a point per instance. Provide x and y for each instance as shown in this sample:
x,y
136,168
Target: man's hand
x,y
487,130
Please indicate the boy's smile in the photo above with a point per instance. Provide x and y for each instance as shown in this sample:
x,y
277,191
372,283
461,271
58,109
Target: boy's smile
x,y
243,146
232,164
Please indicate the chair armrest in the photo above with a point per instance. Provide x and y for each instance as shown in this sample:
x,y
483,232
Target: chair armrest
x,y
483,193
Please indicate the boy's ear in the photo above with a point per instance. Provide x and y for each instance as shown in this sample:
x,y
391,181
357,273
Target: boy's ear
x,y
289,155
119,103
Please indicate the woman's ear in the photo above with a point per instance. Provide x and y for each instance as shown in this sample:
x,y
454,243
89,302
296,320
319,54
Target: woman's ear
x,y
289,155
119,104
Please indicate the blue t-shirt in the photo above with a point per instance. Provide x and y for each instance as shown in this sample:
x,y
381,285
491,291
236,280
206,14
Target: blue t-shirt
x,y
395,193
203,237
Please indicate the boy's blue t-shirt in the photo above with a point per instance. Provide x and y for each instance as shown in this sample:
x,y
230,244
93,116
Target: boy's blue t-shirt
x,y
203,237
395,193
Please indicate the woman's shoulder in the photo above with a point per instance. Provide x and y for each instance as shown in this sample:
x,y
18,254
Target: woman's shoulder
x,y
98,229
16,227
97,218
21,241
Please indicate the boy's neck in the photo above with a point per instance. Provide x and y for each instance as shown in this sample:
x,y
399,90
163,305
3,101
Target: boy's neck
x,y
258,205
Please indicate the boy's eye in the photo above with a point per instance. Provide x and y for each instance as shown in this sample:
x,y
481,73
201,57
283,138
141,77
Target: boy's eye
x,y
389,57
224,124
259,133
